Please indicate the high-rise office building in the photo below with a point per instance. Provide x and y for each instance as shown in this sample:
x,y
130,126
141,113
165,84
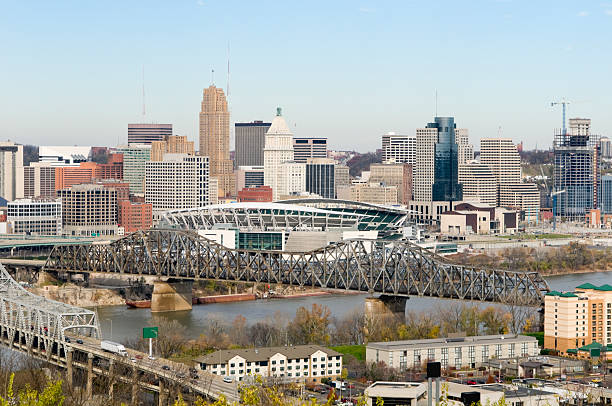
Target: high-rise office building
x,y
304,148
215,139
479,183
446,186
172,144
342,177
399,148
291,179
426,139
521,196
278,149
465,150
394,174
147,133
576,172
179,181
89,210
135,157
320,177
605,194
502,158
11,170
250,143
39,180
605,146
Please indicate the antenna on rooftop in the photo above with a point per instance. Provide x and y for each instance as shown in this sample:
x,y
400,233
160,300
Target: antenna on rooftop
x,y
499,131
436,103
228,69
143,92
212,78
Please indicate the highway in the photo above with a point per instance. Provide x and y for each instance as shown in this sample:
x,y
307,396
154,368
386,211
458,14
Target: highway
x,y
206,384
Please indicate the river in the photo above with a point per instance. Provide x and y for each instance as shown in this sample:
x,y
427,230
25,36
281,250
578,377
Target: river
x,y
126,323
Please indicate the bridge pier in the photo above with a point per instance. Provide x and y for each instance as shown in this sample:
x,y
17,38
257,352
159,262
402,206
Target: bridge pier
x,y
385,305
171,296
69,366
161,397
89,386
111,378
135,386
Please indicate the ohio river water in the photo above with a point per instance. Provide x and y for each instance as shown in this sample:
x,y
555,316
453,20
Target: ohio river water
x,y
127,323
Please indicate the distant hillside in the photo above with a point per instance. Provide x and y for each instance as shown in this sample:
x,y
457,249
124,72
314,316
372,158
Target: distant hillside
x,y
362,162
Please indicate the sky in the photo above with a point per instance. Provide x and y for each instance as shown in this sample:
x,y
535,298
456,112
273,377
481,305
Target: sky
x,y
71,72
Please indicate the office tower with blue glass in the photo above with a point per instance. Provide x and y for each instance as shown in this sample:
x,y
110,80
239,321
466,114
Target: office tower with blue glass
x,y
446,186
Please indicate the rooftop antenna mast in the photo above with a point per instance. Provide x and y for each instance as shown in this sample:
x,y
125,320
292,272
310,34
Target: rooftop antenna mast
x,y
436,103
212,76
143,92
228,69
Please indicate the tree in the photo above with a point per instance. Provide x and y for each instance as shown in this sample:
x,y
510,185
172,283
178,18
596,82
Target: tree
x,y
51,395
310,326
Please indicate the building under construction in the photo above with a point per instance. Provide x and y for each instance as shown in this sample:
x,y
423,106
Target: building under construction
x,y
577,175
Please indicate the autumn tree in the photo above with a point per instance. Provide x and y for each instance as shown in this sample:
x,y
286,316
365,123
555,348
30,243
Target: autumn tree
x,y
310,326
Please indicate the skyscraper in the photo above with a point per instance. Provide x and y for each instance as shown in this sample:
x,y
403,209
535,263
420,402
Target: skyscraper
x,y
446,186
250,143
426,139
147,133
11,170
215,138
278,149
479,183
576,173
502,158
172,144
465,150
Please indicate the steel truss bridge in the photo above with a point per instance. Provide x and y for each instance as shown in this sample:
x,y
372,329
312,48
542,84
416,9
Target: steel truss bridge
x,y
395,268
69,337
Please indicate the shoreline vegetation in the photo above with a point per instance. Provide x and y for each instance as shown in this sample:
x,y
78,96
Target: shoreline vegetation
x,y
572,258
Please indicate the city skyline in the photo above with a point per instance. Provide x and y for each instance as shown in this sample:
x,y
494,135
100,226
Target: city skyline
x,y
330,79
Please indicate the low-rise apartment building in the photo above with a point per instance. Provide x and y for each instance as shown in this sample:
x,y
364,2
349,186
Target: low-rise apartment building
x,y
301,363
576,319
458,352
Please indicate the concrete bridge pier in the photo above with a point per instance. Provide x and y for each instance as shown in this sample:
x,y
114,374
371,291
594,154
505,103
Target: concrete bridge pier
x,y
161,397
111,383
385,305
69,366
90,376
171,296
135,386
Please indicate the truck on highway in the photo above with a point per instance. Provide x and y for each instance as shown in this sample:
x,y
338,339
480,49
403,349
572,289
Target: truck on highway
x,y
113,347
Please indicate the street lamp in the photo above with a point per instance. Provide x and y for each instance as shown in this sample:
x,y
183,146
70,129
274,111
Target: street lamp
x,y
111,327
554,197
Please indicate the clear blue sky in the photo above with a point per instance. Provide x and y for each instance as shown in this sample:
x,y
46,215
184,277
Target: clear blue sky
x,y
70,71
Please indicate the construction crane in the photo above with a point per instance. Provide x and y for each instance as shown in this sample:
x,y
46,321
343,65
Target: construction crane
x,y
564,103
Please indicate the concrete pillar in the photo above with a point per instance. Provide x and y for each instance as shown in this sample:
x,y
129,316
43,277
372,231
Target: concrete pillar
x,y
171,296
69,366
162,393
111,380
386,305
134,386
89,376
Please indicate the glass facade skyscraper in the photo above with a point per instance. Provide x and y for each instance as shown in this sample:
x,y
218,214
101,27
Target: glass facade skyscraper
x,y
446,186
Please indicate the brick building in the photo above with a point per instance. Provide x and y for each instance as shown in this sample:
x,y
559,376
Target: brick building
x,y
135,216
255,194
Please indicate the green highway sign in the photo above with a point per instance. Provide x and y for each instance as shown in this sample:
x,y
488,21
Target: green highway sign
x,y
150,332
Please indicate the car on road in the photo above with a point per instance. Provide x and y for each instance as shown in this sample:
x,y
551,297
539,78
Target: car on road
x,y
138,356
79,341
471,382
67,339
228,379
165,367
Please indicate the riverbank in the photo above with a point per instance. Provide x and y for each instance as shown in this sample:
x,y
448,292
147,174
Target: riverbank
x,y
79,296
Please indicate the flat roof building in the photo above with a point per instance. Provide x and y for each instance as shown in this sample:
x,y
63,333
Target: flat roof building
x,y
250,142
459,352
63,155
135,157
308,147
147,133
89,210
35,216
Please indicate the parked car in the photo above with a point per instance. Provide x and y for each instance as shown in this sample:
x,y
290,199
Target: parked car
x,y
67,339
79,341
471,382
165,367
228,379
